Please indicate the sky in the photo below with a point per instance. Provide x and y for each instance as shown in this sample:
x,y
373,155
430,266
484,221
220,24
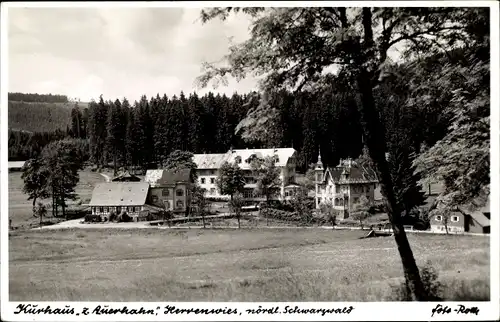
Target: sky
x,y
117,52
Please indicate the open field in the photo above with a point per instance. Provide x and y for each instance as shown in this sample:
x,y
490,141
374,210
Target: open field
x,y
20,208
232,265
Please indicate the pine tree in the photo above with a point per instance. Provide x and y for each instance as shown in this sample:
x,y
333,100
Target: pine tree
x,y
224,134
115,133
160,137
145,131
76,122
131,139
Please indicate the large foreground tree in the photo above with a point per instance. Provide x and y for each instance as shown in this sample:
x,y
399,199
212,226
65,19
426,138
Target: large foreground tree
x,y
295,47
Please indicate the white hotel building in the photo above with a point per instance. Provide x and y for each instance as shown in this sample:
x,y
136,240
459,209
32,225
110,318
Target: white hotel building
x,y
208,166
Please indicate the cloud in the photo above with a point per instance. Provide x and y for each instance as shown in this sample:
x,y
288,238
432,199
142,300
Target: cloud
x,y
85,52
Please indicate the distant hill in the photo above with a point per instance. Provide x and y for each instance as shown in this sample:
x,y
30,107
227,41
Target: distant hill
x,y
39,112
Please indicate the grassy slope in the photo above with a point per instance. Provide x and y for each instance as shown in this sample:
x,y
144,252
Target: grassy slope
x,y
40,117
231,265
20,207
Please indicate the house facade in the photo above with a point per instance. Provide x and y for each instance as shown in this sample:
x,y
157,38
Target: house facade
x,y
460,221
343,185
169,190
208,166
119,198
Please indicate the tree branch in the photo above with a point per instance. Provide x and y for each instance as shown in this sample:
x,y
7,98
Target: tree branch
x,y
428,32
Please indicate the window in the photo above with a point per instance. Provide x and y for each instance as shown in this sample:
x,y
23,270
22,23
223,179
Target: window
x,y
238,159
165,192
439,218
179,204
101,209
212,180
179,192
212,191
287,194
106,209
202,180
154,198
455,218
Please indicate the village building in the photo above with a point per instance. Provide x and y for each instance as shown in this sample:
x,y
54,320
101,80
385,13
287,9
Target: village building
x,y
208,166
462,220
15,166
343,186
120,198
170,189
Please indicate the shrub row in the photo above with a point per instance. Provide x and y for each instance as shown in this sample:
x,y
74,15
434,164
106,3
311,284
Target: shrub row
x,y
281,215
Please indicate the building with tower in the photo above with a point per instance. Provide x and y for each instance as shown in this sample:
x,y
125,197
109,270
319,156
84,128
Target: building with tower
x,y
342,186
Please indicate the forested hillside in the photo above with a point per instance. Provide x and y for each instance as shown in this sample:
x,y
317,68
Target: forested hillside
x,y
38,117
40,112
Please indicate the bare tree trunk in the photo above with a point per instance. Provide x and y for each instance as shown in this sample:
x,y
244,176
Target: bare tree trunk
x,y
267,206
115,171
34,205
375,141
63,203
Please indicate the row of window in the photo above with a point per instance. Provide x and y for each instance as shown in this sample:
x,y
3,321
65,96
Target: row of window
x,y
450,229
253,157
166,192
178,203
203,180
453,218
118,209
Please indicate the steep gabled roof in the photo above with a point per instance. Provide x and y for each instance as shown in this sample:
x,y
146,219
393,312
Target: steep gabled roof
x,y
119,194
356,175
282,156
215,160
210,161
480,218
167,177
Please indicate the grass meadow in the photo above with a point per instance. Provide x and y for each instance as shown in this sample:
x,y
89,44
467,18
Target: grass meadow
x,y
233,265
20,208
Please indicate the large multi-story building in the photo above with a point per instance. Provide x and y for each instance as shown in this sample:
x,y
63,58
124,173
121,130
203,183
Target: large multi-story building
x,y
169,189
208,166
343,185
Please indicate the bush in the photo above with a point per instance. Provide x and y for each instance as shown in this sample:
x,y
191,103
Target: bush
x,y
432,286
276,214
112,216
92,218
124,218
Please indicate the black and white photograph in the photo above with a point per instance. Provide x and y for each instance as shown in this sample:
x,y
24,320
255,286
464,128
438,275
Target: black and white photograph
x,y
261,152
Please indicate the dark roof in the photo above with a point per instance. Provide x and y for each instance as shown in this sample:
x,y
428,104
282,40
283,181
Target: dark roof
x,y
126,176
356,173
167,177
120,194
480,218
